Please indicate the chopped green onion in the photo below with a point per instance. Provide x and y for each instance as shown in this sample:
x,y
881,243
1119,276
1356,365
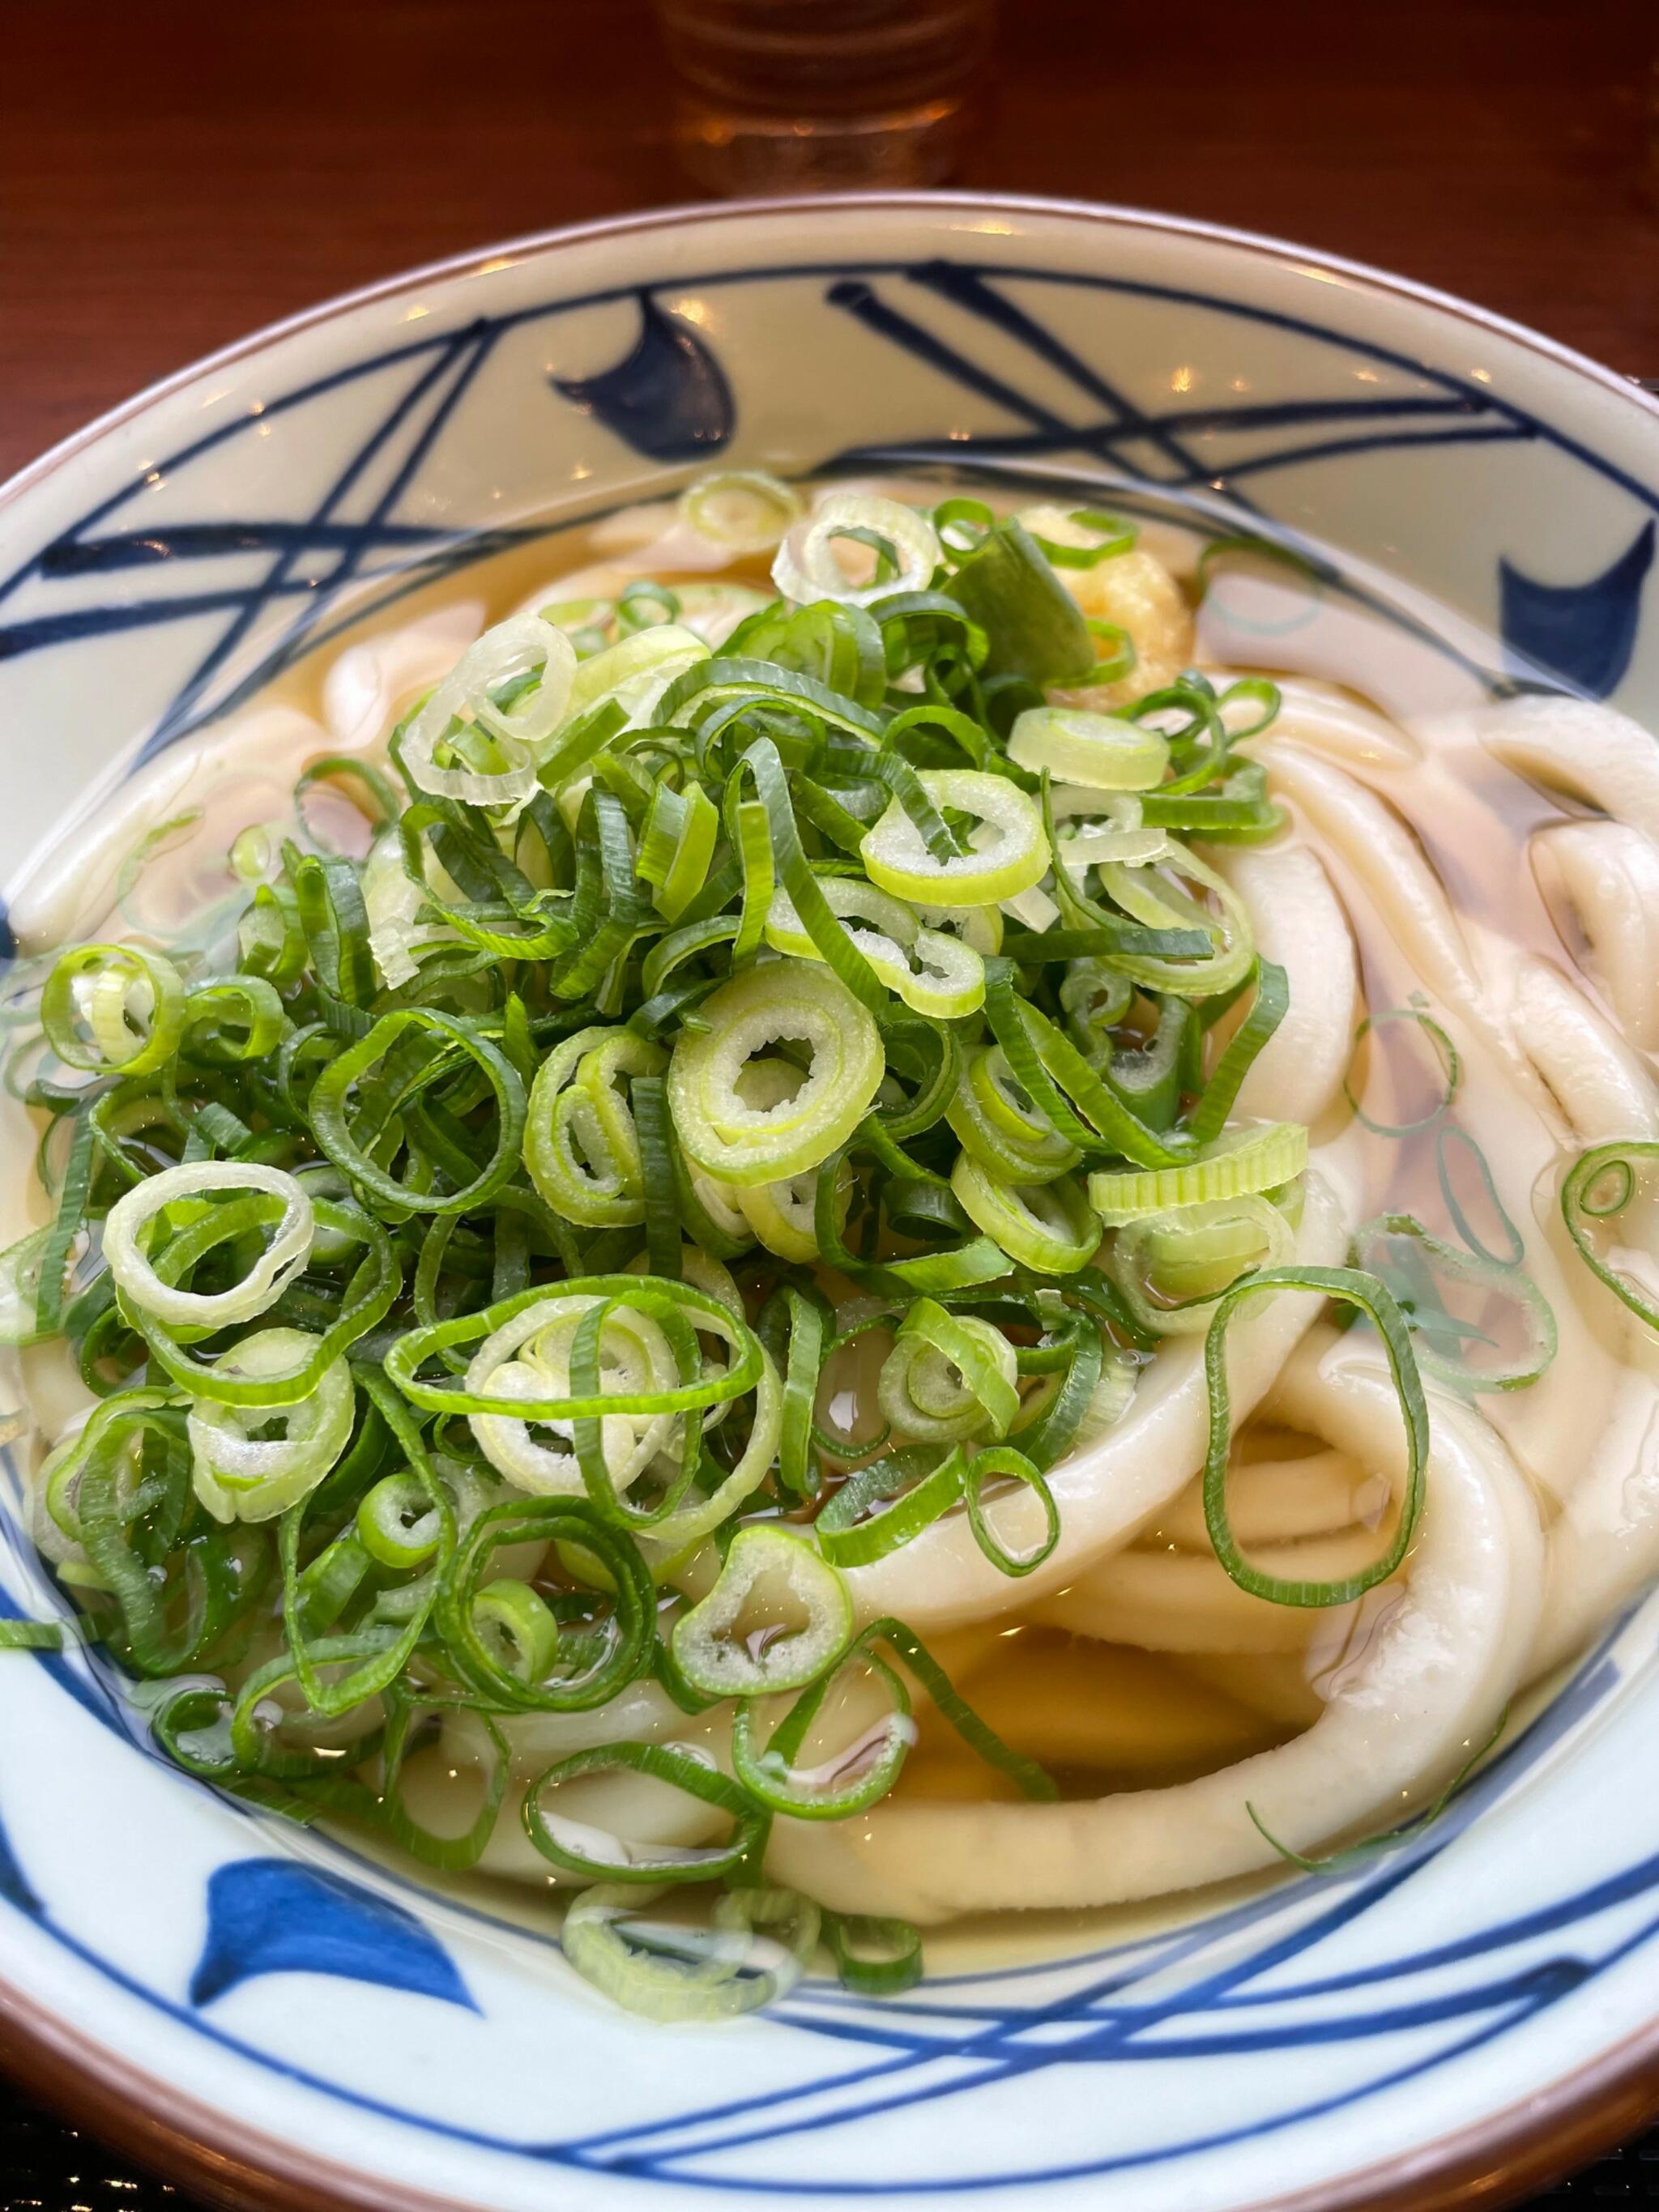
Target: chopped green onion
x,y
666,1972
806,568
768,1657
183,1194
948,1376
1601,1183
1048,1227
741,1144
1171,1267
1243,1160
1445,1135
112,1008
1007,851
740,510
1077,537
875,1958
1401,1252
31,1635
1449,1065
1095,751
1348,1287
240,1476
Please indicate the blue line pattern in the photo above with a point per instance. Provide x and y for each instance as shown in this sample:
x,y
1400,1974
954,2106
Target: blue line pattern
x,y
669,398
1200,1994
1580,636
269,1916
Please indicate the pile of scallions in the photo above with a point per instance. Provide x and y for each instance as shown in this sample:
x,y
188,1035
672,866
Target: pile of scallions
x,y
455,1250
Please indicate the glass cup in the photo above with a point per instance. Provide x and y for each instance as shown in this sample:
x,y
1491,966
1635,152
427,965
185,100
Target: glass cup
x,y
814,95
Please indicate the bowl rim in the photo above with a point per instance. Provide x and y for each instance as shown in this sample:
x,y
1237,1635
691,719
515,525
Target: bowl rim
x,y
1524,2146
478,260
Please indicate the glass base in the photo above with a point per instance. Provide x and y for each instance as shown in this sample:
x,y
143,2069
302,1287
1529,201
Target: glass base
x,y
731,151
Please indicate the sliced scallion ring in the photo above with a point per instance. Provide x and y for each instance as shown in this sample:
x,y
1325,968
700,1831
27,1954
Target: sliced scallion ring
x,y
242,1475
785,1000
500,770
190,1189
1048,1227
948,1376
1171,1267
1099,751
888,1502
672,1972
1348,1287
1600,1184
1077,537
774,1655
1007,851
806,568
1445,1051
1230,1166
112,1008
1417,1266
740,510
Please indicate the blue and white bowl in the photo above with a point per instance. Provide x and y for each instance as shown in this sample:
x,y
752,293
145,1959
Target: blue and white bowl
x,y
284,2023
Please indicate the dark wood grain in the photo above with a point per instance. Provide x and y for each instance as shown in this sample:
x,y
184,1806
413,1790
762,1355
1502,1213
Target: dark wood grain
x,y
173,174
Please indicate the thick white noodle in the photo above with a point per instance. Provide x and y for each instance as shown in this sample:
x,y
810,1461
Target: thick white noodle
x,y
1333,722
1107,1492
1598,1088
1598,1083
1592,753
1300,923
1608,874
371,683
1401,1717
1271,1683
643,1713
1372,846
630,1806
1604,1545
1178,1602
1279,1501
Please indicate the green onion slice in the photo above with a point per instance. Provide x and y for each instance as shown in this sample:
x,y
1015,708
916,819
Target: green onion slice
x,y
1242,1161
1099,752
1445,1051
664,1971
807,568
575,1847
742,1144
874,1957
740,510
1007,851
948,1376
1419,1269
113,1008
778,1574
1367,1295
186,1195
1601,1183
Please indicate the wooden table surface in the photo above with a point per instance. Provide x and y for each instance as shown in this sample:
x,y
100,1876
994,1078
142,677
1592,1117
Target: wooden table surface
x,y
173,174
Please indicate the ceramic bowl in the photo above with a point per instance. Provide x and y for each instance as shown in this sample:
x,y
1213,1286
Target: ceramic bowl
x,y
281,2021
